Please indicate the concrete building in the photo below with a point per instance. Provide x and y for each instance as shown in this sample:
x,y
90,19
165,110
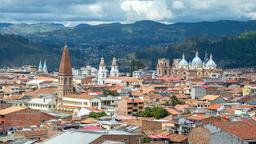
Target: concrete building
x,y
95,137
128,106
22,117
197,92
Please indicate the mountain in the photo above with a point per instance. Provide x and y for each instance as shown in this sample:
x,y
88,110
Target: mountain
x,y
228,51
2,25
28,29
88,43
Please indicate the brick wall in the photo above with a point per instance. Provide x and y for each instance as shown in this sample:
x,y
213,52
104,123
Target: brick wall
x,y
26,117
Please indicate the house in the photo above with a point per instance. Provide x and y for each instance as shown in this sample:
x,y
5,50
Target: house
x,y
127,106
197,92
22,117
43,103
225,132
95,137
125,81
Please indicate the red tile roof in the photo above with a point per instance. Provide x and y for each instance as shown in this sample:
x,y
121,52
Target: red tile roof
x,y
214,106
243,129
65,63
197,117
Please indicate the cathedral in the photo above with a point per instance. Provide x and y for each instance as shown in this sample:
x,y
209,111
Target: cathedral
x,y
42,68
103,72
188,70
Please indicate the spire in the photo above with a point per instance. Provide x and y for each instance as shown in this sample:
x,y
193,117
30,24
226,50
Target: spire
x,y
65,43
114,62
40,67
183,56
65,64
211,56
45,67
196,53
102,63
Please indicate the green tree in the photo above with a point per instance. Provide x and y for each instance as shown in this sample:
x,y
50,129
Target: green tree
x,y
97,115
173,102
156,112
107,92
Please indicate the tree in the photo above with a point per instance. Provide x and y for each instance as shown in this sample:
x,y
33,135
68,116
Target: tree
x,y
97,115
146,140
156,112
173,102
107,92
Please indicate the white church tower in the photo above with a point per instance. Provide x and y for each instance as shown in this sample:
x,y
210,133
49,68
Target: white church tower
x,y
114,72
102,72
45,70
40,67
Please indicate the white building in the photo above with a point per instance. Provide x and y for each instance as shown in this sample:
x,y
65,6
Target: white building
x,y
45,104
102,73
137,74
114,72
89,71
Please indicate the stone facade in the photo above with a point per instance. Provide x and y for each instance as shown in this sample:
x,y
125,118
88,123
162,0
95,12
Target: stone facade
x,y
181,68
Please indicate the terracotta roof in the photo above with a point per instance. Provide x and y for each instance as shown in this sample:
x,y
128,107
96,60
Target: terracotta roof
x,y
197,117
41,91
172,111
243,129
210,97
177,138
126,79
89,121
65,63
214,106
181,107
11,110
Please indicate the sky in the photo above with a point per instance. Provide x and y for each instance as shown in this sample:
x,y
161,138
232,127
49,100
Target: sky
x,y
72,12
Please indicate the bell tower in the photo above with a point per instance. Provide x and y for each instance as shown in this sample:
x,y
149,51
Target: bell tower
x,y
65,77
114,72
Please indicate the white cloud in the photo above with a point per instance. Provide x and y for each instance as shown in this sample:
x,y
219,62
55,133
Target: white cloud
x,y
169,11
178,5
151,10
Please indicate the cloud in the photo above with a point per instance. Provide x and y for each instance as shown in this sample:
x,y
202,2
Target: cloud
x,y
151,10
105,11
178,5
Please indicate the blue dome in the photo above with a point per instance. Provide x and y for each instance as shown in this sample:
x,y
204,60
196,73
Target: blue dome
x,y
211,63
197,61
183,61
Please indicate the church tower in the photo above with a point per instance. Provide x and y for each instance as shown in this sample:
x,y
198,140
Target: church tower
x,y
40,67
45,70
65,78
102,73
114,72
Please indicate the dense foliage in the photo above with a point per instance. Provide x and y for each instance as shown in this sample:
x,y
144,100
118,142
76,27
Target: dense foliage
x,y
146,40
156,112
107,92
97,115
232,51
173,102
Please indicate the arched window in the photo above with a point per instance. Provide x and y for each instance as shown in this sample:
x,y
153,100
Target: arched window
x,y
70,80
65,81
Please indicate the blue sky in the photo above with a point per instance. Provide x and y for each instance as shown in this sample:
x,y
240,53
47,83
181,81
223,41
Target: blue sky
x,y
72,12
